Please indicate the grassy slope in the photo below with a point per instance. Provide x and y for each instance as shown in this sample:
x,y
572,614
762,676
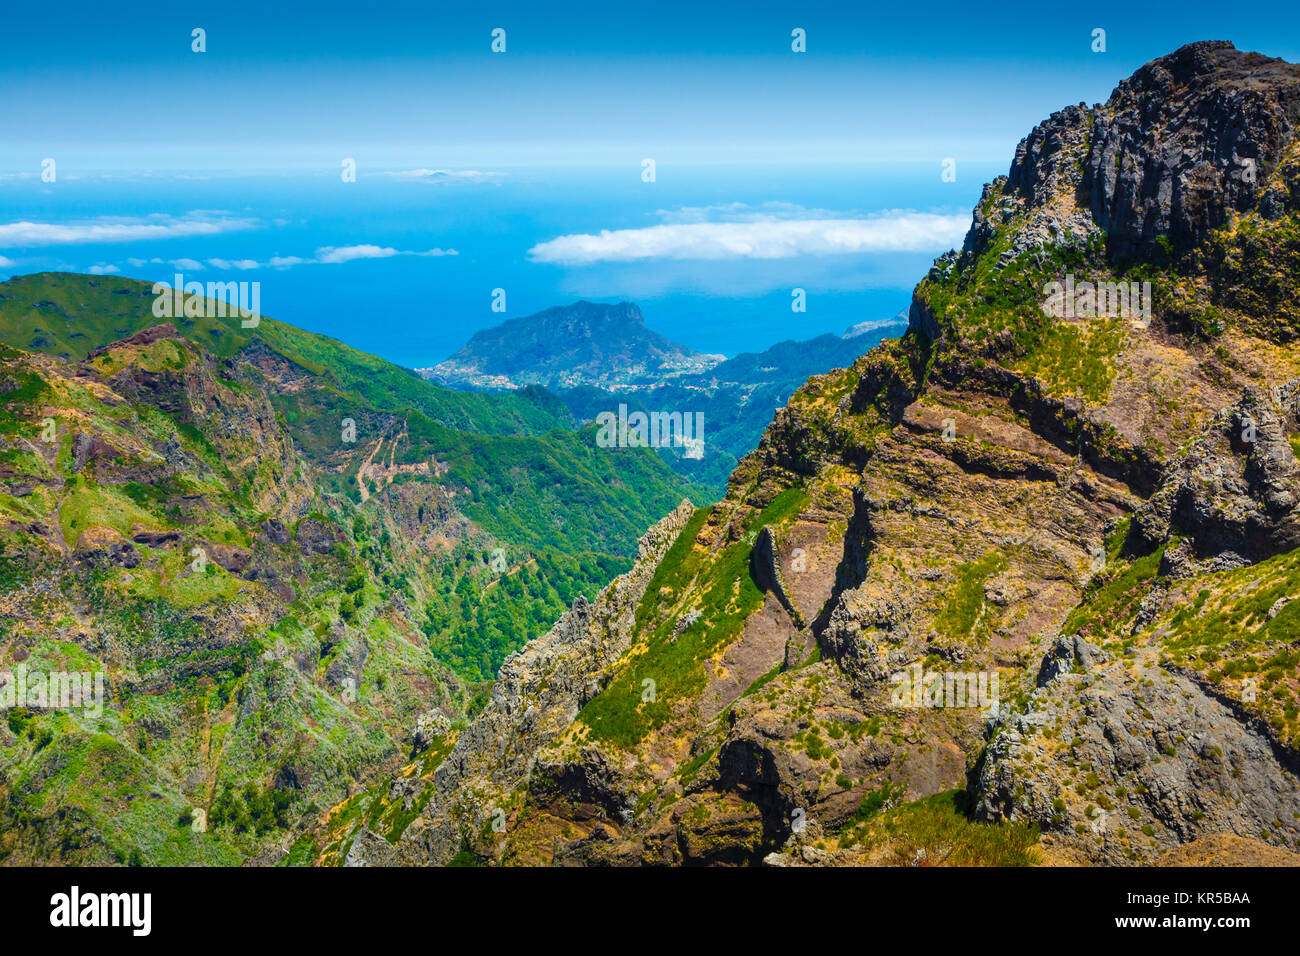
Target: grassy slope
x,y
69,315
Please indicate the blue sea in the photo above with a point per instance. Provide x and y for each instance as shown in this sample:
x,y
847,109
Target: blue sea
x,y
371,261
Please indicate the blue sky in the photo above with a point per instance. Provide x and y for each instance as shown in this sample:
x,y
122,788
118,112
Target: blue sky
x,y
522,170
591,82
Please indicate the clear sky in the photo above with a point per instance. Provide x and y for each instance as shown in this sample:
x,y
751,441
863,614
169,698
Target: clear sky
x,y
115,85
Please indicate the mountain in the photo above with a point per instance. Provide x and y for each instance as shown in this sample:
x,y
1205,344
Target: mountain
x,y
585,343
598,358
1018,587
68,315
871,325
284,561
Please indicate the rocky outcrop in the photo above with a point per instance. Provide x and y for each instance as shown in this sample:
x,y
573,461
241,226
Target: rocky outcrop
x,y
1119,764
766,569
1068,655
317,536
1187,140
428,727
538,692
1237,487
97,545
156,333
369,849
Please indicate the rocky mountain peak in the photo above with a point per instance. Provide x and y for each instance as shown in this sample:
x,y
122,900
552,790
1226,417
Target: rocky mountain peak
x,y
1187,140
1203,63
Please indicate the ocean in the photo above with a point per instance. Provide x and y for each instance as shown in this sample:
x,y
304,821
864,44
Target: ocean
x,y
408,263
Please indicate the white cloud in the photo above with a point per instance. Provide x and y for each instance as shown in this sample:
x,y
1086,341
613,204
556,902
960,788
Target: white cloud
x,y
227,265
103,269
325,255
440,175
759,236
118,229
334,254
6,263
186,265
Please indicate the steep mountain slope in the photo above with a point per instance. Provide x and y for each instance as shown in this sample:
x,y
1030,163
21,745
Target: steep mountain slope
x,y
1018,587
165,535
170,520
586,343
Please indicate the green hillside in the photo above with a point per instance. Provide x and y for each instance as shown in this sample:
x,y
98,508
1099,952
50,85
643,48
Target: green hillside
x,y
272,607
69,315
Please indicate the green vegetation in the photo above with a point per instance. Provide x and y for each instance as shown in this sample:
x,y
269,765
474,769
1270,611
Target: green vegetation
x,y
938,831
964,610
674,658
1113,595
69,315
558,492
474,623
1240,625
1254,269
251,809
1077,358
259,662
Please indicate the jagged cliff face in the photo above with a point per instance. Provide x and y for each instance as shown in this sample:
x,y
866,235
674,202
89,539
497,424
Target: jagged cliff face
x,y
1098,510
1181,146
